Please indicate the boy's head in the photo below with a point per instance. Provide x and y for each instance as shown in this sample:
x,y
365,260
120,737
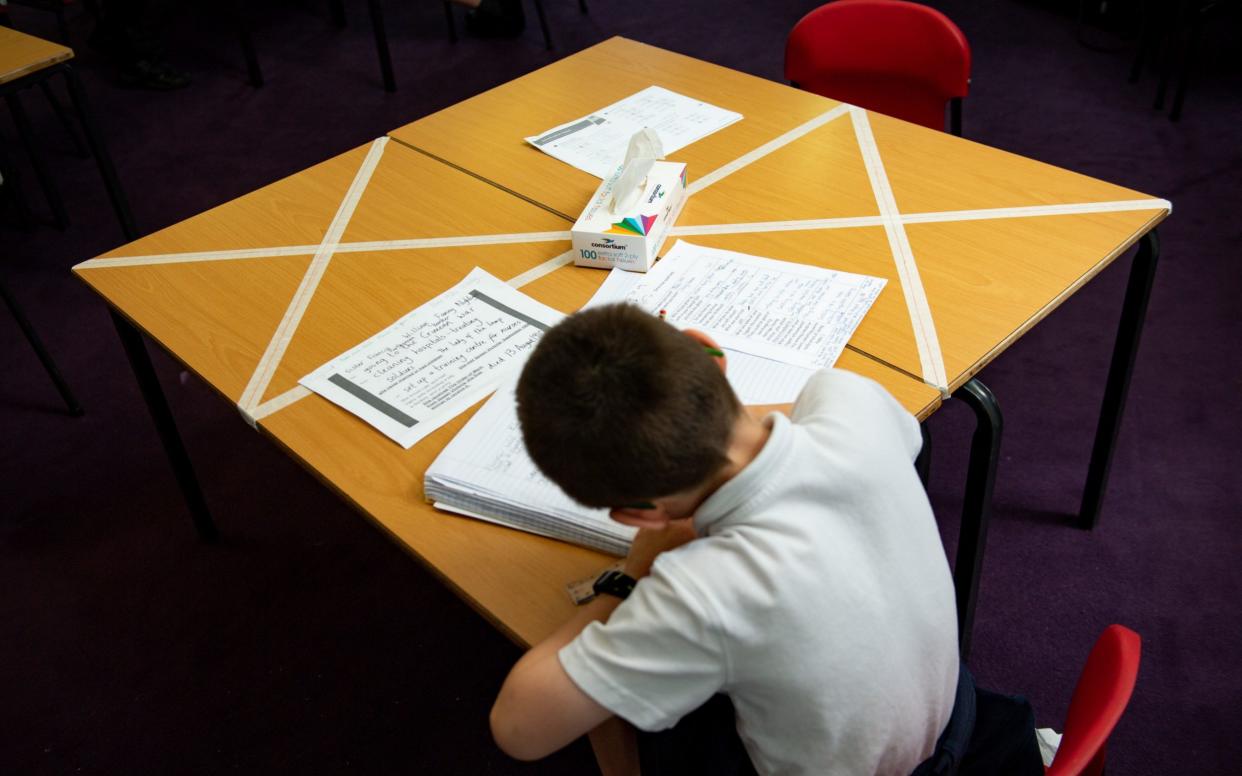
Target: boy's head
x,y
619,407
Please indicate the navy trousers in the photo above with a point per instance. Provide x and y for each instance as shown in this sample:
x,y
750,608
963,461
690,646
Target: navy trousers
x,y
987,734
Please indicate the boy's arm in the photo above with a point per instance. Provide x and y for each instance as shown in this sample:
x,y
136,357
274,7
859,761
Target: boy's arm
x,y
539,708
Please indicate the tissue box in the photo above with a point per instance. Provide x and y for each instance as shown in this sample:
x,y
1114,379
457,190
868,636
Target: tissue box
x,y
630,240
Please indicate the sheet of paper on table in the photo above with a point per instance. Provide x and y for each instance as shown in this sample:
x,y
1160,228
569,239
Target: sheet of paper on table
x,y
597,143
778,321
436,361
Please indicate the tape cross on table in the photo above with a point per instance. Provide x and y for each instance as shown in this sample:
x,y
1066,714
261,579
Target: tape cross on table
x,y
253,408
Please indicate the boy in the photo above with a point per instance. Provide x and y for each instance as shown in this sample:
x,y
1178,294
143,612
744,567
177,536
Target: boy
x,y
793,565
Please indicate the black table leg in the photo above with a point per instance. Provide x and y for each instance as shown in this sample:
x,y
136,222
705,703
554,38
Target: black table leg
x,y
140,361
64,118
26,132
1133,311
381,45
977,505
103,160
71,402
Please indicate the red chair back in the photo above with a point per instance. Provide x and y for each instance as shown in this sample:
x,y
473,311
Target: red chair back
x,y
1103,690
890,56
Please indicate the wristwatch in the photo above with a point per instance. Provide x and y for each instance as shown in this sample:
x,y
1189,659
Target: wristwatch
x,y
616,583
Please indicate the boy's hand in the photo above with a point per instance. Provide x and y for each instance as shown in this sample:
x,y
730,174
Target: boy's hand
x,y
649,542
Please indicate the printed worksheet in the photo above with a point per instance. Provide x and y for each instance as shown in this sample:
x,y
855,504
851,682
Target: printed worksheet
x,y
597,143
436,361
792,313
755,380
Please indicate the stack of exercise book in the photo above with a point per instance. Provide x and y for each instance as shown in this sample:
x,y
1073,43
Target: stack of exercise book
x,y
485,473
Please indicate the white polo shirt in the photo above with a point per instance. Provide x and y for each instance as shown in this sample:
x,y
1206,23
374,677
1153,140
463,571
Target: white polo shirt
x,y
817,596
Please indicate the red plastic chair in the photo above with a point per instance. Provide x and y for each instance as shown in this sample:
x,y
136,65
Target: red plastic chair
x,y
1103,690
889,56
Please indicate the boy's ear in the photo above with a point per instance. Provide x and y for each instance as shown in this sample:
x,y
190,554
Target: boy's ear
x,y
655,519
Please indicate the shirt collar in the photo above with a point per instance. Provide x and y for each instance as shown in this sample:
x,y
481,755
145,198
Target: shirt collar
x,y
750,485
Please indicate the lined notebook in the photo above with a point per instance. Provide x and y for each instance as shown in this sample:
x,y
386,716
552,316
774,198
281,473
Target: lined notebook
x,y
485,473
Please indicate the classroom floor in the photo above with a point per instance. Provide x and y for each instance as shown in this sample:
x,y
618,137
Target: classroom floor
x,y
307,642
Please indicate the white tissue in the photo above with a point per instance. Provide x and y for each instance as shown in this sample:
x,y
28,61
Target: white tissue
x,y
645,148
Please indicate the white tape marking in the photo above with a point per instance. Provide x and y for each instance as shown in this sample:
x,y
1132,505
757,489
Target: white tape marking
x,y
451,242
192,256
302,250
1030,211
765,149
777,226
930,358
1038,210
266,368
280,402
850,222
534,273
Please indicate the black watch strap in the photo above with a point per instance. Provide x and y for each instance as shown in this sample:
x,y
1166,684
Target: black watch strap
x,y
616,583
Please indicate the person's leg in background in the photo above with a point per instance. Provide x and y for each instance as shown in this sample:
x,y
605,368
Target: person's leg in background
x,y
131,33
494,18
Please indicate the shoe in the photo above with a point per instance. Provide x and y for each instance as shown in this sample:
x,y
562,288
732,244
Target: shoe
x,y
155,76
496,19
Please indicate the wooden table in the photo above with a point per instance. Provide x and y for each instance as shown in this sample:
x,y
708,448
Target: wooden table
x,y
213,289
978,245
27,61
22,54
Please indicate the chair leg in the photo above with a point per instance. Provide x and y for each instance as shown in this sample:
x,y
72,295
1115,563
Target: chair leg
x,y
116,194
1167,52
157,405
253,71
922,464
49,366
1133,312
61,26
46,182
336,9
66,121
1147,40
955,116
452,21
582,5
977,505
381,45
543,24
1189,58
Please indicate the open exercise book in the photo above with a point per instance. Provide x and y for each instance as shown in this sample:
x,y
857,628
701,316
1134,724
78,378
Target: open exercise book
x,y
802,317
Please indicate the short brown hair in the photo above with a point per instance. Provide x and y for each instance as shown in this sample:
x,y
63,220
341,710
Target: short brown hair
x,y
617,406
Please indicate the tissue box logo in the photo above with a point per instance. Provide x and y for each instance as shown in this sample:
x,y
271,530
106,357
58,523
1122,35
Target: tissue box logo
x,y
640,226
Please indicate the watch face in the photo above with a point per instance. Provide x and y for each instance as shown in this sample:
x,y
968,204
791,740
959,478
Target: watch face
x,y
616,583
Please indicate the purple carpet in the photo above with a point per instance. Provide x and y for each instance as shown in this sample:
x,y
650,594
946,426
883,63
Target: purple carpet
x,y
307,642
